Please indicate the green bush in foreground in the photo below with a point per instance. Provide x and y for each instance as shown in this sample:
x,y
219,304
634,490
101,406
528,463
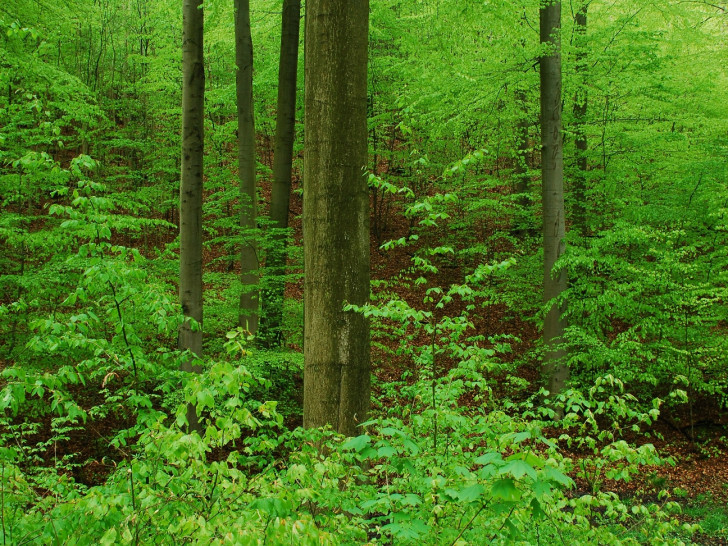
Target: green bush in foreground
x,y
491,477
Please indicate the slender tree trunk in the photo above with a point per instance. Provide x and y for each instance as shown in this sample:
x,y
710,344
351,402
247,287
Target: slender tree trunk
x,y
580,110
272,318
336,215
552,165
248,313
522,219
190,274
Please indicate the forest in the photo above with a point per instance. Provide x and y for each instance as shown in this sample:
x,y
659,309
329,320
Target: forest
x,y
432,272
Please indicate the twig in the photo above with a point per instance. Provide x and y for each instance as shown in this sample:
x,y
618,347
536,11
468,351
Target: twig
x,y
482,507
123,328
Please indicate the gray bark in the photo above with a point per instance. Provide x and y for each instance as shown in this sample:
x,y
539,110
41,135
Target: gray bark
x,y
552,166
248,311
336,215
272,318
190,274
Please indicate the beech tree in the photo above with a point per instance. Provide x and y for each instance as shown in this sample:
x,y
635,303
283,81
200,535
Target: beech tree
x,y
190,272
248,314
522,218
336,215
282,165
552,171
580,110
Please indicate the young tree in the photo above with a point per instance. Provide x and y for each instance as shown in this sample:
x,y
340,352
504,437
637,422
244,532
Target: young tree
x,y
522,220
190,271
282,164
552,169
580,111
336,215
248,314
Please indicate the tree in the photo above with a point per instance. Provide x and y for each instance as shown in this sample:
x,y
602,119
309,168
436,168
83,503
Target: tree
x,y
190,271
580,110
336,215
282,164
523,217
248,315
552,169
522,177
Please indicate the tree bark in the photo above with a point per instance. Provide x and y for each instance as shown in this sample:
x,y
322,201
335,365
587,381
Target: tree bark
x,y
580,111
272,317
336,215
190,277
552,166
248,311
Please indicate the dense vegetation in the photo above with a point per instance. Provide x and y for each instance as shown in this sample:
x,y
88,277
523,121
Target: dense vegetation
x,y
463,445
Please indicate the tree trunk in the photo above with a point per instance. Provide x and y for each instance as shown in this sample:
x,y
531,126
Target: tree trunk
x,y
522,220
248,311
336,215
190,273
580,110
272,318
552,166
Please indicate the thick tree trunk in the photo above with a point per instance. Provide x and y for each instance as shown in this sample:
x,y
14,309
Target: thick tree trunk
x,y
580,110
336,215
552,166
248,312
282,163
190,273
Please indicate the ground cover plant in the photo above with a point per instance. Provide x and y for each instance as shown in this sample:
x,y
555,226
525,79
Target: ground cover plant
x,y
460,405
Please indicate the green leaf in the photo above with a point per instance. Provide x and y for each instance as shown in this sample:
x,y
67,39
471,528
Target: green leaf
x,y
205,399
110,538
471,493
390,431
412,447
558,477
512,529
506,490
386,452
274,507
541,488
518,468
536,509
489,458
358,443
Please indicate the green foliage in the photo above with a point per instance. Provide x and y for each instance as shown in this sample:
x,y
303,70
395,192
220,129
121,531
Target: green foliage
x,y
645,304
88,313
594,422
494,472
712,518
